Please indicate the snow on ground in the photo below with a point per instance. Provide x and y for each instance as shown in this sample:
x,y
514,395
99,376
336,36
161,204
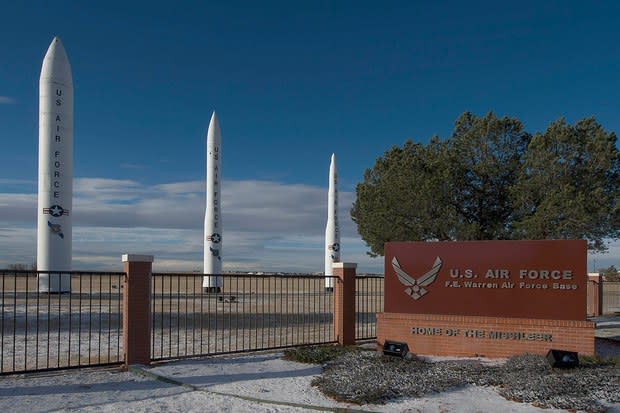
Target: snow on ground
x,y
252,383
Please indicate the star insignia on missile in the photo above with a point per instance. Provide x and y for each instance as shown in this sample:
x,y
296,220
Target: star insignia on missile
x,y
335,247
215,237
415,287
56,211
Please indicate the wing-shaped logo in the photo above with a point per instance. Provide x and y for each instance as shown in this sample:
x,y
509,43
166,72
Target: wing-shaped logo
x,y
415,288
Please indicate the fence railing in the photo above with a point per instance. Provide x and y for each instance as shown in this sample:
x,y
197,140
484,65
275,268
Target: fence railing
x,y
611,297
251,312
368,302
45,331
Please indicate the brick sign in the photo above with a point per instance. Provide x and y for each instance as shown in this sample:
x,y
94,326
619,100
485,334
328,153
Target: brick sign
x,y
519,279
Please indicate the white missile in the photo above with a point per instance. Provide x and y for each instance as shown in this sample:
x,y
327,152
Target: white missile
x,y
332,230
212,281
55,200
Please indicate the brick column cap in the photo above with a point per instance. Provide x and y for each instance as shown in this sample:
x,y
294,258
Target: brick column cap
x,y
136,258
344,265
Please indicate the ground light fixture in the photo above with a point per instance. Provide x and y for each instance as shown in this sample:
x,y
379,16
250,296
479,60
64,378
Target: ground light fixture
x,y
395,348
562,359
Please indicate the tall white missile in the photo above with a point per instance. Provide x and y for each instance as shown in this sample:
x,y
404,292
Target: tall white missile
x,y
212,281
55,201
332,230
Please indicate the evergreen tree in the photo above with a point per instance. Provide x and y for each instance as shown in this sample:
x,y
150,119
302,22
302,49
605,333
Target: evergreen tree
x,y
569,187
492,180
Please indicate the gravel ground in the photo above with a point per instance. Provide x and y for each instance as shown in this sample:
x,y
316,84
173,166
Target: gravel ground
x,y
369,377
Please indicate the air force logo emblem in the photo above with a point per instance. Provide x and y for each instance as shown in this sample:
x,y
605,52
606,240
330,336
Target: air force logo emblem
x,y
415,288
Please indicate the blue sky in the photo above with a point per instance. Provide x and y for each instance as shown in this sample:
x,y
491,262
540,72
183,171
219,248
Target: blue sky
x,y
291,82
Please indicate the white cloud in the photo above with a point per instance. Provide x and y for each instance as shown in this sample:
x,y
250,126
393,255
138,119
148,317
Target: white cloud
x,y
4,181
18,244
268,226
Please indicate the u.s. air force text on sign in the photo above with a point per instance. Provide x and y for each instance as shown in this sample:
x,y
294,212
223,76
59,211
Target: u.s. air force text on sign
x,y
520,279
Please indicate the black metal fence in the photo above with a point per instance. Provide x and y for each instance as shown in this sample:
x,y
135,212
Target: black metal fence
x,y
252,312
611,297
368,302
46,331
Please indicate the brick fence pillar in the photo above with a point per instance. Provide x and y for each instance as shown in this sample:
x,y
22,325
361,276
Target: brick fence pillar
x,y
137,308
344,303
595,296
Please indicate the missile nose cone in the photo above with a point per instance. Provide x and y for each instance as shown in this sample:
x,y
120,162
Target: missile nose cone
x,y
332,166
214,120
214,129
56,51
56,63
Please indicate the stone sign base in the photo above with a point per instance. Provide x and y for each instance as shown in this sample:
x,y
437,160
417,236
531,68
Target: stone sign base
x,y
472,336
